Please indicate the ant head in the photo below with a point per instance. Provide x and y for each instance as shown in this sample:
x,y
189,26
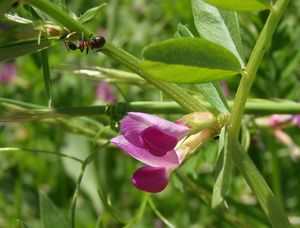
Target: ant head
x,y
98,42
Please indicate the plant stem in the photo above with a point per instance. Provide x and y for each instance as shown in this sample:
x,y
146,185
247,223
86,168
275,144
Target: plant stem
x,y
60,16
252,67
47,77
186,101
21,111
260,188
269,203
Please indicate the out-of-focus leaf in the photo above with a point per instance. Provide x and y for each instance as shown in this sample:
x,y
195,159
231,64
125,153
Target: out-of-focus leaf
x,y
183,31
20,224
223,170
90,14
16,49
5,6
189,60
211,26
50,215
78,146
16,18
214,96
242,5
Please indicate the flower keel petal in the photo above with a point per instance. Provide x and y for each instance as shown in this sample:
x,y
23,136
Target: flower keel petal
x,y
157,142
150,179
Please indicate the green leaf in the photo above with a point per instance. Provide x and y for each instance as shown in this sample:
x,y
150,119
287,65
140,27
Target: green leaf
x,y
16,49
189,60
242,5
183,31
223,170
50,215
232,23
90,14
212,93
212,26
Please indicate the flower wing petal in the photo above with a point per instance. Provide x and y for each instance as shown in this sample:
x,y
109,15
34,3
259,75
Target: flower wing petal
x,y
169,159
150,179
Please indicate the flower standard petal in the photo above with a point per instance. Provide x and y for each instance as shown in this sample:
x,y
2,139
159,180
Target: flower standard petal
x,y
131,129
163,125
157,142
150,179
169,159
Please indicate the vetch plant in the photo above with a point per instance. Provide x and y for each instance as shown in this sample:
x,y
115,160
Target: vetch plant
x,y
200,58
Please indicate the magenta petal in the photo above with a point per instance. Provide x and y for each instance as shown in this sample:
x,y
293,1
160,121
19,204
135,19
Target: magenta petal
x,y
105,92
163,125
169,159
157,142
131,129
7,72
150,179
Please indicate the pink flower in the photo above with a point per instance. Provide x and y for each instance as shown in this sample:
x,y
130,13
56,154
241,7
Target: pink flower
x,y
280,120
105,93
7,72
297,119
151,140
158,143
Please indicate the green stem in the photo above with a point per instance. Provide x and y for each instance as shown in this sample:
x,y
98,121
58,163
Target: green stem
x,y
14,149
252,66
79,179
186,101
75,196
21,111
47,77
60,16
265,196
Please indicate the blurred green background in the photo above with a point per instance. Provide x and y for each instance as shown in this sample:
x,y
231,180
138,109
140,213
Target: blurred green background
x,y
133,24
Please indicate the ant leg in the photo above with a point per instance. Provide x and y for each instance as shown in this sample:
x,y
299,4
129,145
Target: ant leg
x,y
67,47
70,34
87,50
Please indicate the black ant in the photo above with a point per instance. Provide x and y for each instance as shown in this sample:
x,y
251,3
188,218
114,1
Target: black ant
x,y
96,42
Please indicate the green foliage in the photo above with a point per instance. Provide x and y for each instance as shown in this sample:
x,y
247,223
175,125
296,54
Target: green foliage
x,y
206,61
90,14
16,49
223,170
249,5
50,215
219,26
